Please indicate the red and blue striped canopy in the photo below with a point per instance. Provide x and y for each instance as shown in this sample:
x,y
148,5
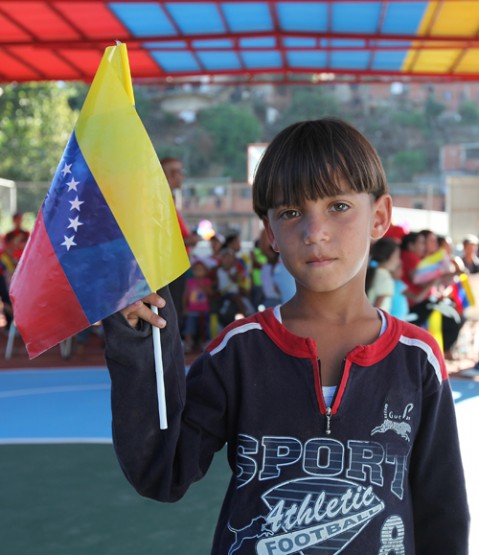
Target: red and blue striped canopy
x,y
262,41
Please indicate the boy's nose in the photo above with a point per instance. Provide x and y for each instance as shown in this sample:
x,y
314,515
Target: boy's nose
x,y
315,230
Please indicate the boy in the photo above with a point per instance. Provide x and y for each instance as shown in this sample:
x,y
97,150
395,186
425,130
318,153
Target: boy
x,y
338,418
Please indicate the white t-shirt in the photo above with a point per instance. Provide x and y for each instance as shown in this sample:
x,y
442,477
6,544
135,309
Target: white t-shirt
x,y
270,291
382,286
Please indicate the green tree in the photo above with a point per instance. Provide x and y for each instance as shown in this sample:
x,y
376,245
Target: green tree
x,y
308,103
469,112
36,121
433,108
231,129
405,164
409,117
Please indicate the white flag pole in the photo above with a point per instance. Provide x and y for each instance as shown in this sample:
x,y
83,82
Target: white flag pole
x,y
160,381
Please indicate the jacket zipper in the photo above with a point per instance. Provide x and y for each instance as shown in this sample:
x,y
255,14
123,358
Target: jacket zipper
x,y
329,410
328,421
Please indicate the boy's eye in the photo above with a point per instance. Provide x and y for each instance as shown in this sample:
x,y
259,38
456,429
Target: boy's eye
x,y
339,207
289,214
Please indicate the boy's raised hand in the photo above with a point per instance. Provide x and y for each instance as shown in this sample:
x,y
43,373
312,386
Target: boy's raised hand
x,y
141,311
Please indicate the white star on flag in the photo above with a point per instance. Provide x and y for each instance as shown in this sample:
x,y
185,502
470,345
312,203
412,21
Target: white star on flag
x,y
74,223
69,242
76,204
72,184
66,169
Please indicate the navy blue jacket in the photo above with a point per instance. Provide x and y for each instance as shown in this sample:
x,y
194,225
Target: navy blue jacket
x,y
378,472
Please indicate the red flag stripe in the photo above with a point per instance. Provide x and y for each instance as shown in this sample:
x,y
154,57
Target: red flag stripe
x,y
52,310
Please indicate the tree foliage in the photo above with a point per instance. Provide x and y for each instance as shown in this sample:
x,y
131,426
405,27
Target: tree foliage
x,y
35,123
231,128
407,164
36,120
309,103
469,112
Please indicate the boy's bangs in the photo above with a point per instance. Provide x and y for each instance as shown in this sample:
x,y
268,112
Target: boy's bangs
x,y
301,181
316,159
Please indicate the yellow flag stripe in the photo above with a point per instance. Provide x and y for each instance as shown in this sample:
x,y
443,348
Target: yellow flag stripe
x,y
124,163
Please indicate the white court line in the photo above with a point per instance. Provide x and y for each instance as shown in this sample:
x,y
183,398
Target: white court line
x,y
54,440
56,389
43,371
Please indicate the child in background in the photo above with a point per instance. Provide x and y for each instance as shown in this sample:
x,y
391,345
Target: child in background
x,y
470,258
399,301
284,281
385,259
196,305
258,260
413,249
9,258
213,259
271,292
234,302
337,417
233,243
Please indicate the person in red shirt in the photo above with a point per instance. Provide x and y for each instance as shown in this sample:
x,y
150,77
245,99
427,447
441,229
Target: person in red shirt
x,y
173,169
424,297
17,234
413,249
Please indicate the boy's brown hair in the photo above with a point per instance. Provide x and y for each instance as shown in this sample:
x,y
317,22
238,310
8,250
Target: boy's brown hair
x,y
306,160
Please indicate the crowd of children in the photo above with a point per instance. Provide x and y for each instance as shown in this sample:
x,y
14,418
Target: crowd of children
x,y
414,276
417,277
229,284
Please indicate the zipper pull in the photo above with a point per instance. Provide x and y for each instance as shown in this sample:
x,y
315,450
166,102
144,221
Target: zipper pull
x,y
328,421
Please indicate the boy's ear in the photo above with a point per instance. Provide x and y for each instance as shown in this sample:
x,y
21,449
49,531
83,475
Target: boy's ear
x,y
382,213
270,234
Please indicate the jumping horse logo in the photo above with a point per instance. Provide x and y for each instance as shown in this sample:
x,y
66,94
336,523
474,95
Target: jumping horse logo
x,y
395,422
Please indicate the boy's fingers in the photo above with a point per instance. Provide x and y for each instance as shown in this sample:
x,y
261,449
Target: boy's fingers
x,y
145,313
140,310
155,300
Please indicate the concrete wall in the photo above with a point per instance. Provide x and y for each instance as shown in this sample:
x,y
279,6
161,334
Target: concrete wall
x,y
462,205
416,220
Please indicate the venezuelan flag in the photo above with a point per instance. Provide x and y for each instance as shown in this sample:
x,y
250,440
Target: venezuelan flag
x,y
434,326
107,233
461,293
432,267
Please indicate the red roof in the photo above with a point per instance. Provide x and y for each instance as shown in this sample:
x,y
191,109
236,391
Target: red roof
x,y
269,41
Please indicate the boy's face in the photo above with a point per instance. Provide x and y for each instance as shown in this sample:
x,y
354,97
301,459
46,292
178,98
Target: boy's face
x,y
325,243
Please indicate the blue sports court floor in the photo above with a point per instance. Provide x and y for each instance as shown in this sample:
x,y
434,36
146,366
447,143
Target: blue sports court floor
x,y
63,491
55,406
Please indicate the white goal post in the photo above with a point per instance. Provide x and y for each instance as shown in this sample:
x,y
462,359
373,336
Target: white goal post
x,y
8,197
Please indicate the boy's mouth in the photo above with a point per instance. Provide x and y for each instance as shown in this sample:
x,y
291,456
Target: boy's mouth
x,y
320,260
